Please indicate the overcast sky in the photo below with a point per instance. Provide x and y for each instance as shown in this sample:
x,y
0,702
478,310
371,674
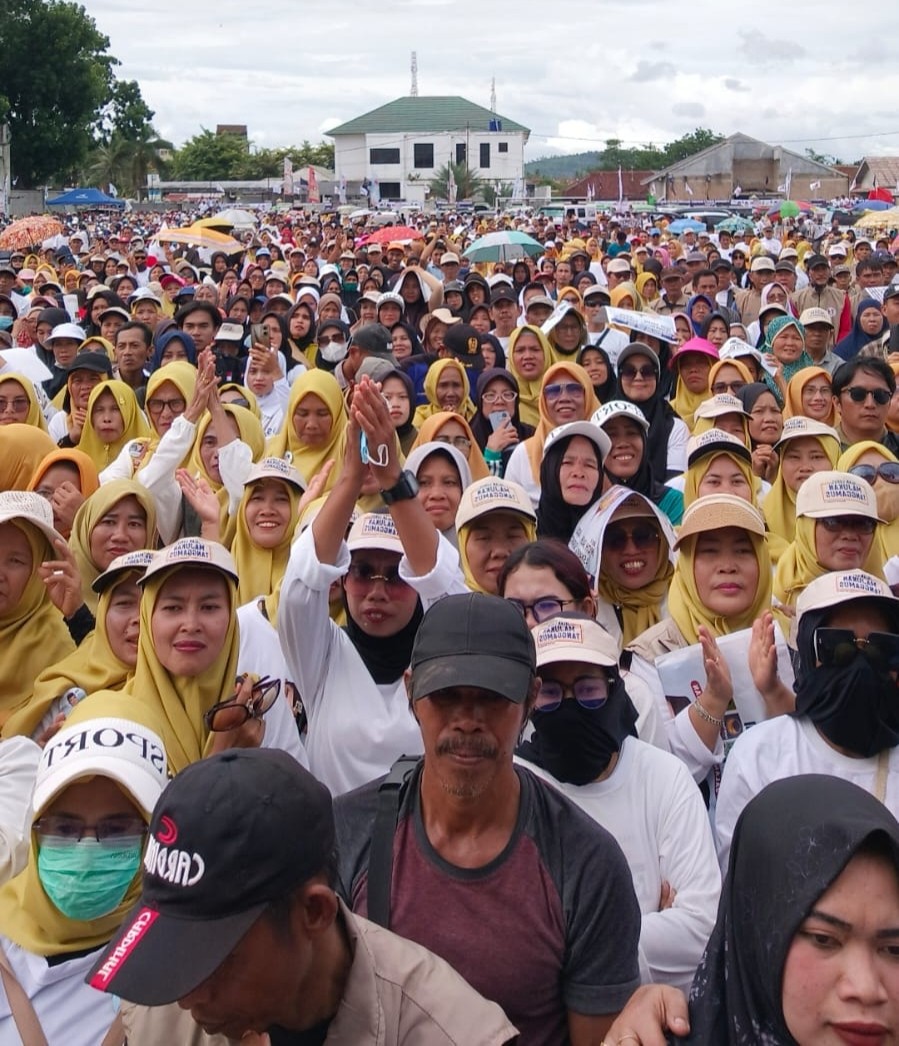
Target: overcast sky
x,y
576,74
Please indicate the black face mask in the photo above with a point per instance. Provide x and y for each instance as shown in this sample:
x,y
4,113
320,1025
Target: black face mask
x,y
575,744
855,706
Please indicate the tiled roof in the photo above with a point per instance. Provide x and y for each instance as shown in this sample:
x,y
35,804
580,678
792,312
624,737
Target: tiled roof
x,y
425,115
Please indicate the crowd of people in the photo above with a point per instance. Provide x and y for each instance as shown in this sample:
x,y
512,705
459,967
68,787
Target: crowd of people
x,y
401,649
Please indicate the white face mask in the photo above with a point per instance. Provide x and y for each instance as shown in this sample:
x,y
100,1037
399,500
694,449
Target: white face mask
x,y
334,352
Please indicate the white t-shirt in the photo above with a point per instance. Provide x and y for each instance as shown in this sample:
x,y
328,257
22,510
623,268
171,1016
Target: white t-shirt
x,y
19,757
656,814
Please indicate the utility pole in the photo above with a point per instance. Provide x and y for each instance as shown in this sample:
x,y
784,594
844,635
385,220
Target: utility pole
x,y
493,95
414,90
5,161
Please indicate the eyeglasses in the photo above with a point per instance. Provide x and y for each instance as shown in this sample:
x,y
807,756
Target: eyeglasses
x,y
565,388
721,387
175,406
500,397
542,609
888,471
858,394
325,340
364,576
108,831
462,443
817,390
836,647
17,405
637,372
861,524
230,714
590,692
640,535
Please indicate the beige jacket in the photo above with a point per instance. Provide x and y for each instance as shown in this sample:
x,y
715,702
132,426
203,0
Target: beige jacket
x,y
397,994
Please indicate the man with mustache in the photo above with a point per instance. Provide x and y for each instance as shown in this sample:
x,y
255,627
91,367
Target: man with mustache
x,y
485,865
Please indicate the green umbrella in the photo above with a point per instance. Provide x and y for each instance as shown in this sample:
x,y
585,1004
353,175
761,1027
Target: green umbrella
x,y
789,209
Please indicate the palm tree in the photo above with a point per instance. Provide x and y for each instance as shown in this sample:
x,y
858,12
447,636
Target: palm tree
x,y
126,162
145,156
107,163
468,183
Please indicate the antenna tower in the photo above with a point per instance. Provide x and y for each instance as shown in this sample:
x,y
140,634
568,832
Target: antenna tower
x,y
414,91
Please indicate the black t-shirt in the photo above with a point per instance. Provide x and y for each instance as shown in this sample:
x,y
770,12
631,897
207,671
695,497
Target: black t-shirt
x,y
311,1037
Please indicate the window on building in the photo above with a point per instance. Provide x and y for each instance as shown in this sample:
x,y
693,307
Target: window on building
x,y
386,156
460,152
503,147
423,155
485,156
390,191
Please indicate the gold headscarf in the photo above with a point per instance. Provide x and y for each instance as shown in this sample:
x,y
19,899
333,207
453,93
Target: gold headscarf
x,y
793,407
22,448
247,394
695,473
183,376
261,569
90,514
32,633
105,346
27,915
93,666
689,612
87,471
628,289
528,390
642,280
305,459
431,428
35,414
530,528
466,407
534,444
886,493
179,702
135,427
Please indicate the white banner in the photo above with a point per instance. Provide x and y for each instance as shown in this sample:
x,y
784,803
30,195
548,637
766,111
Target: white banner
x,y
661,327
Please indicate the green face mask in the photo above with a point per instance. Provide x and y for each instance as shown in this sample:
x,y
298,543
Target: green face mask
x,y
88,880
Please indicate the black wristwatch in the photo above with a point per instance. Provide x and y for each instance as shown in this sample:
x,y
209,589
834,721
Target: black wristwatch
x,y
405,489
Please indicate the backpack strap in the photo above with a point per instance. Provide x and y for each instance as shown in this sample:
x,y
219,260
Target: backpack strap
x,y
380,858
24,1014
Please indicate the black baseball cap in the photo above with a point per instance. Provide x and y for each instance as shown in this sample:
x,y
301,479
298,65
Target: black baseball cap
x,y
374,338
95,361
891,292
229,835
464,342
473,640
503,293
816,260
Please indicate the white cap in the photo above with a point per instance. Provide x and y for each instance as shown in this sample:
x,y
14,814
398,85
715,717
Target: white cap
x,y
620,409
588,429
842,586
836,494
275,468
30,507
375,530
137,561
735,348
230,332
578,639
493,495
816,315
388,296
121,749
715,440
794,428
192,552
143,294
70,330
723,403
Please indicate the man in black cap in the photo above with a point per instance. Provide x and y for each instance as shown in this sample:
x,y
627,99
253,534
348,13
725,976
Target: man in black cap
x,y
371,340
528,898
462,342
821,294
503,312
238,922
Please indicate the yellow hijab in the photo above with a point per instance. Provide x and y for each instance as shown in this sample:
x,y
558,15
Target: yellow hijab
x,y
305,459
793,406
528,390
887,533
27,915
35,414
557,372
695,473
689,612
779,504
179,702
136,427
642,280
183,376
261,569
798,565
628,289
685,402
90,514
530,527
87,470
92,666
247,394
22,448
435,372
105,346
32,633
430,429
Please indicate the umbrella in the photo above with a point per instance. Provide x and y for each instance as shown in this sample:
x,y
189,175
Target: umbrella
x,y
503,246
393,234
680,225
879,219
882,193
872,205
27,232
735,224
790,209
198,236
225,221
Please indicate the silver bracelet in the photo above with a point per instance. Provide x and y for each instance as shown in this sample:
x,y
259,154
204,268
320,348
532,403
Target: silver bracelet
x,y
705,714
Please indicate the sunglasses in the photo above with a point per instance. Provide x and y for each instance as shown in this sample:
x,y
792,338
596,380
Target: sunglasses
x,y
230,714
590,692
858,394
888,471
640,535
541,609
720,387
834,524
565,388
637,372
364,575
836,647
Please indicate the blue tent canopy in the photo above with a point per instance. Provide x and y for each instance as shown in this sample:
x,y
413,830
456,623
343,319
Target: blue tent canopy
x,y
85,198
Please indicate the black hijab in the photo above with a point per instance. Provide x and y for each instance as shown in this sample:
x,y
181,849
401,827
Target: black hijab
x,y
609,388
660,415
406,432
792,841
480,423
644,481
387,657
498,351
749,395
555,517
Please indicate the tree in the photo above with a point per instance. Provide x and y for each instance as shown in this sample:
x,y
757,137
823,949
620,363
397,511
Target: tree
x,y
468,183
690,144
208,157
55,77
126,114
492,193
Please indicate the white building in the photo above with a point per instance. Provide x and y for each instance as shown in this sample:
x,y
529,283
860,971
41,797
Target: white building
x,y
402,145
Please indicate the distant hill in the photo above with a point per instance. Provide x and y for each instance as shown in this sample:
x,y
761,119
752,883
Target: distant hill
x,y
564,168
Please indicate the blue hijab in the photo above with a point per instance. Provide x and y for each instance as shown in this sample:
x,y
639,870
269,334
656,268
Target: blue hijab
x,y
857,339
172,334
